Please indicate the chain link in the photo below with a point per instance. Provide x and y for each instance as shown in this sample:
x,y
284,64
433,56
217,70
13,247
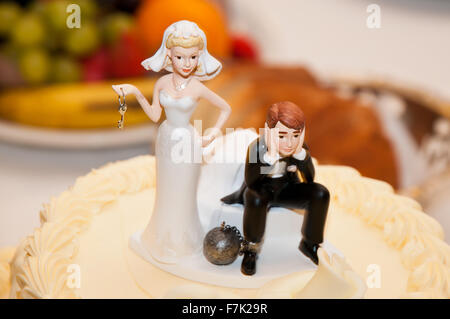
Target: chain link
x,y
242,241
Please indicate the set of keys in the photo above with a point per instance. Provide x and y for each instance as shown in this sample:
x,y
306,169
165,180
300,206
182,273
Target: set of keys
x,y
122,110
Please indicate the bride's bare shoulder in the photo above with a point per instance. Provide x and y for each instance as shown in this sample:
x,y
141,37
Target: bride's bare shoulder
x,y
197,84
196,81
163,80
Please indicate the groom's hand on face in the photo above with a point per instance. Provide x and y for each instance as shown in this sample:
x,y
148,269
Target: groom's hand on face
x,y
300,144
272,140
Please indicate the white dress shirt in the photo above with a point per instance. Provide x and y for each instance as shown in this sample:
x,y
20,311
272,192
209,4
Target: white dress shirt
x,y
279,169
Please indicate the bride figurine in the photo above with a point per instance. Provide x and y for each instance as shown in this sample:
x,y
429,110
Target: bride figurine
x,y
174,230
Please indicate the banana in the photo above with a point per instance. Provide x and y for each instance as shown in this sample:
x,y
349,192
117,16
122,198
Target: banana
x,y
73,106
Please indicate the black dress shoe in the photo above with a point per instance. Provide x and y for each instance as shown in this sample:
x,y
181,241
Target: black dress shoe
x,y
309,250
230,199
248,266
235,197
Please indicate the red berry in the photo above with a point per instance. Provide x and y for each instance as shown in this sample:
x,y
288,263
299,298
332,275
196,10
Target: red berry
x,y
125,57
95,67
244,48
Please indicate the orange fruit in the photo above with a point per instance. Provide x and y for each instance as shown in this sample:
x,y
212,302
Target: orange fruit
x,y
154,16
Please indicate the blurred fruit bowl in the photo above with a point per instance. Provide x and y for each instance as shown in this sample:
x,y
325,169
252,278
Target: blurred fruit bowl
x,y
49,41
41,42
60,77
72,106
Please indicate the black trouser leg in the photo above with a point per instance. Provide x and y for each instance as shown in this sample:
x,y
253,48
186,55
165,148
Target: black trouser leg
x,y
315,198
316,215
255,215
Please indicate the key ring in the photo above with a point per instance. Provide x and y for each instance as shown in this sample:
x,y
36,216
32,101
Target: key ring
x,y
123,98
122,109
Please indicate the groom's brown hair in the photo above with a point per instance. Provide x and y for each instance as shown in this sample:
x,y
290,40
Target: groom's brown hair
x,y
288,113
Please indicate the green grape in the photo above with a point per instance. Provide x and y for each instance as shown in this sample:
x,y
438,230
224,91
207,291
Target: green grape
x,y
89,9
83,41
28,31
37,7
56,15
116,24
9,50
65,69
34,65
9,15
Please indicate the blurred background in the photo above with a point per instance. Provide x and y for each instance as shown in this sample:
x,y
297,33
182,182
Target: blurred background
x,y
373,78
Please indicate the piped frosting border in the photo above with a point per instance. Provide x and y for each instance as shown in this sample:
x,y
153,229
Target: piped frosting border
x,y
39,267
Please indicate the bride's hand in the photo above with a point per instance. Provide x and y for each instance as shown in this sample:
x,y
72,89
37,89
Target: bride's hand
x,y
206,140
125,89
211,136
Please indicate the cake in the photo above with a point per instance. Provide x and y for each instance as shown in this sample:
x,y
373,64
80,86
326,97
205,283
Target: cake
x,y
390,247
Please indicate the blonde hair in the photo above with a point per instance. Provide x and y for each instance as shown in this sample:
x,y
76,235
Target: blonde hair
x,y
186,43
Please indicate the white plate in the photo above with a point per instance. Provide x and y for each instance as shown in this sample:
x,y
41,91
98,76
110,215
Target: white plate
x,y
76,139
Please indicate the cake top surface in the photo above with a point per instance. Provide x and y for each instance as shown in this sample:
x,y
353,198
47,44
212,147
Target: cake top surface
x,y
39,266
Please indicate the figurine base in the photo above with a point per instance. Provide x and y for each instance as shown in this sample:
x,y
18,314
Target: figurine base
x,y
279,255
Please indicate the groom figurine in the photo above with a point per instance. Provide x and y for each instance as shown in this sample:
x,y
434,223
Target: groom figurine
x,y
279,172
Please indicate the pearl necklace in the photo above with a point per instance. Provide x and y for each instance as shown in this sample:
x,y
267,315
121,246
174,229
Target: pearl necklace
x,y
181,86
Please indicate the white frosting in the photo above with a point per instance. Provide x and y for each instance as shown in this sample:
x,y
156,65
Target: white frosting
x,y
39,267
52,238
334,278
416,235
44,276
69,209
6,255
4,279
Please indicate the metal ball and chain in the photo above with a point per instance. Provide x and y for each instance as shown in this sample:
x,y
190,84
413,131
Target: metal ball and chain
x,y
223,244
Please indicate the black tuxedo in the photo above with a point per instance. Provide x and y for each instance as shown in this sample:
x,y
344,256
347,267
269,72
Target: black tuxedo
x,y
267,185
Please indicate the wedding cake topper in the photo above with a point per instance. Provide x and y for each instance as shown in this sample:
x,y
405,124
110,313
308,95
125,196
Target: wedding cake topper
x,y
279,172
174,230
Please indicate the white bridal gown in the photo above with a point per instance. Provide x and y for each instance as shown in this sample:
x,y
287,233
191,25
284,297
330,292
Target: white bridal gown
x,y
174,229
